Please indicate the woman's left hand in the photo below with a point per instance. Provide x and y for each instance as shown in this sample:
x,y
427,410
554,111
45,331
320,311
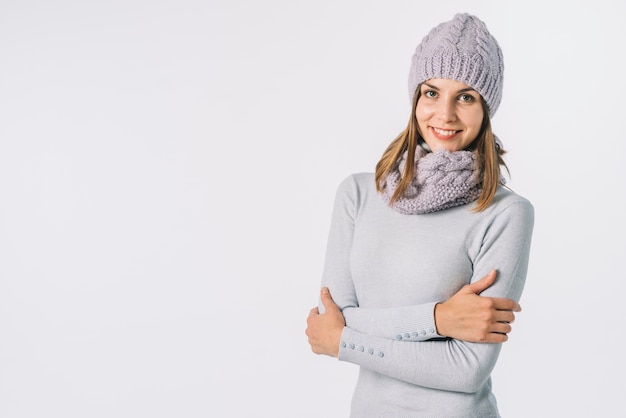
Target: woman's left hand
x,y
324,330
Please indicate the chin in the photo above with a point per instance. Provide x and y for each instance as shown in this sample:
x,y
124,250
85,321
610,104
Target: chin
x,y
448,148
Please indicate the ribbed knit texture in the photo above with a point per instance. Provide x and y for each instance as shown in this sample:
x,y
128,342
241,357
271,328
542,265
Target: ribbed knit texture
x,y
462,50
442,180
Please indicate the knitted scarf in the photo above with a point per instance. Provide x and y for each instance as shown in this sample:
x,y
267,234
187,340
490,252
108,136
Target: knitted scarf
x,y
442,180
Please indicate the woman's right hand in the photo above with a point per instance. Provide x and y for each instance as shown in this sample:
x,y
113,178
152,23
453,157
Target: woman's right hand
x,y
324,330
473,318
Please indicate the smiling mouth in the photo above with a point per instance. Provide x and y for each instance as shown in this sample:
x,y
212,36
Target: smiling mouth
x,y
443,133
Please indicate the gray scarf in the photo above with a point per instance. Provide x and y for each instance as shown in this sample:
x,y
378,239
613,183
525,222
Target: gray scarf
x,y
442,180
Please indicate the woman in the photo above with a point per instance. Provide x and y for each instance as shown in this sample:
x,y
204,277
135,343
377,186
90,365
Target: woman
x,y
413,249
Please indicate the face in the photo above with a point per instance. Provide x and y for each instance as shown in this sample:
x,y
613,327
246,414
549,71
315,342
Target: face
x,y
449,114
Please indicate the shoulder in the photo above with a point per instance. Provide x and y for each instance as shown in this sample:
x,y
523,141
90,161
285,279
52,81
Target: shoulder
x,y
506,203
506,198
357,184
356,191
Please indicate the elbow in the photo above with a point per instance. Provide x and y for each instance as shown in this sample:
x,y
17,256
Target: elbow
x,y
472,382
474,367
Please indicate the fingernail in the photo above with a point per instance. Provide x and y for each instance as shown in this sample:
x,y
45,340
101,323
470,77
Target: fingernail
x,y
324,290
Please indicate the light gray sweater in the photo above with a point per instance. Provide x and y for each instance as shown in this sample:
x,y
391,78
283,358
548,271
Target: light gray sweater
x,y
386,271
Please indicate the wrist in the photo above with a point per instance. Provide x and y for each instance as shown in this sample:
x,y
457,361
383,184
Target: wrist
x,y
438,316
337,341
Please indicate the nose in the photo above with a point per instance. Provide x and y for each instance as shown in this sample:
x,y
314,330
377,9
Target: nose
x,y
446,111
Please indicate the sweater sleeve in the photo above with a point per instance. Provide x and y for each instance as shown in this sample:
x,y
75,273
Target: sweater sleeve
x,y
336,274
389,323
403,323
368,340
411,323
417,323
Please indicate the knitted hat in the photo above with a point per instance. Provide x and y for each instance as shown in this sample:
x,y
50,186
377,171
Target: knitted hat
x,y
462,50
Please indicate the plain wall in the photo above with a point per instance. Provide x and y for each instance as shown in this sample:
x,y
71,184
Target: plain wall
x,y
167,172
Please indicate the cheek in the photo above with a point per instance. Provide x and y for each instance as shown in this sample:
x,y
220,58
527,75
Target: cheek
x,y
474,120
477,119
421,113
421,123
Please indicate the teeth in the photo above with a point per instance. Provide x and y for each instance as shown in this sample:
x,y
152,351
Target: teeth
x,y
445,133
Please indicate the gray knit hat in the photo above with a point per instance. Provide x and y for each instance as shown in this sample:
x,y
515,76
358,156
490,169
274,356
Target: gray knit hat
x,y
463,50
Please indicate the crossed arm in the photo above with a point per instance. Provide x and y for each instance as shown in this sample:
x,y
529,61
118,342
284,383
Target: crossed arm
x,y
392,341
452,364
465,316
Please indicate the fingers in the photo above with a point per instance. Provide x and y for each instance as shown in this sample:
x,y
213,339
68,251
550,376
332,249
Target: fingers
x,y
504,304
502,328
496,338
497,333
324,330
483,283
502,319
327,300
499,303
504,316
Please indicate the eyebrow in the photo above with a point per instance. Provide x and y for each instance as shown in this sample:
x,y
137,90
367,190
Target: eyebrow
x,y
460,91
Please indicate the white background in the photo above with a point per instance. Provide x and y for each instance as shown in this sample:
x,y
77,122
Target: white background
x,y
167,171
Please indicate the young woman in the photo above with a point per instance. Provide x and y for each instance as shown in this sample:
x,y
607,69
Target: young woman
x,y
427,257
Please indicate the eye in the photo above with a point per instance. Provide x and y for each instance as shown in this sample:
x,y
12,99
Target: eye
x,y
430,93
467,98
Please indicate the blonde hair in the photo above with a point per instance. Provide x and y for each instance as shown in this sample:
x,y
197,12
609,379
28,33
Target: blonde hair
x,y
487,151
